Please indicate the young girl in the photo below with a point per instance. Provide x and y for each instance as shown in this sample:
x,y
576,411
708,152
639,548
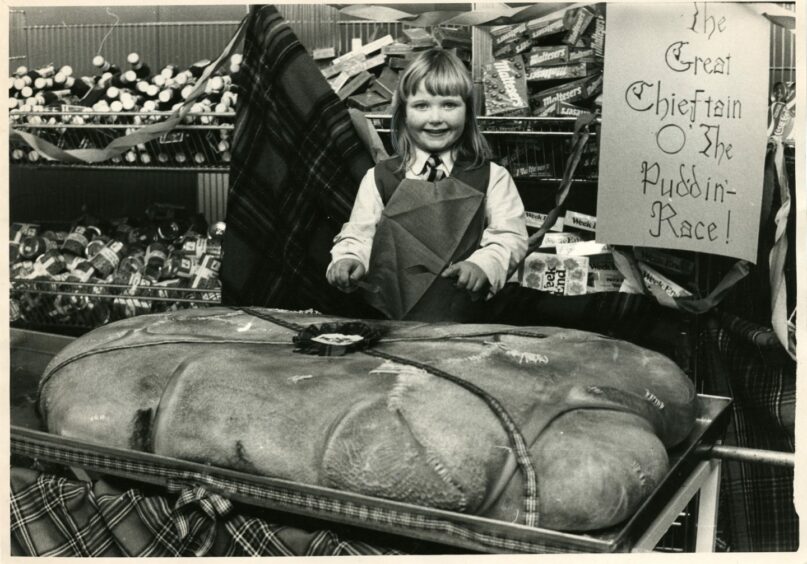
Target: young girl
x,y
437,226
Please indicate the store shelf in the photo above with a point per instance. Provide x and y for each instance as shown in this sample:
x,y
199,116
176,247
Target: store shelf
x,y
200,143
81,306
531,148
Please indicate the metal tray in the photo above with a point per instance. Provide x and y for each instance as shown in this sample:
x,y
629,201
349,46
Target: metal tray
x,y
30,351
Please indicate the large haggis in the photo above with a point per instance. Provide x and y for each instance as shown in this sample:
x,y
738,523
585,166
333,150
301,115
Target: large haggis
x,y
224,387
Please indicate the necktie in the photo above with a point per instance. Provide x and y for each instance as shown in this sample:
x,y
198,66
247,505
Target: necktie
x,y
430,167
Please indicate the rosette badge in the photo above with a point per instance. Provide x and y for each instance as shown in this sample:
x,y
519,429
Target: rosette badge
x,y
336,339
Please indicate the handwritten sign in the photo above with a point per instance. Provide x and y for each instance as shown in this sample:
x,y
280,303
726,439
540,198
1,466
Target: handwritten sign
x,y
683,127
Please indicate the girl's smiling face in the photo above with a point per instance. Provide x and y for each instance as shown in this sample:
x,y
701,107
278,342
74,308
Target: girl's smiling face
x,y
435,122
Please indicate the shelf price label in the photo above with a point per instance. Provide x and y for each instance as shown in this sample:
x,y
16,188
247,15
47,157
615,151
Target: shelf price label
x,y
684,127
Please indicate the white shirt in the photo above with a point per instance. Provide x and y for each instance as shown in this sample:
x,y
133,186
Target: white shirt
x,y
504,240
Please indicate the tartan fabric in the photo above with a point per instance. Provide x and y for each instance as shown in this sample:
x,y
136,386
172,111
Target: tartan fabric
x,y
297,162
278,497
757,511
54,516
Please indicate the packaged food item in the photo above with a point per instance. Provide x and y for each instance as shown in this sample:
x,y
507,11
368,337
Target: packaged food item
x,y
551,240
536,220
552,55
573,91
207,274
505,87
576,22
580,221
663,289
559,72
556,274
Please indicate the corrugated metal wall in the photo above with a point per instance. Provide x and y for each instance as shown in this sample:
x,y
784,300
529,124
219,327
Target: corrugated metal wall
x,y
783,52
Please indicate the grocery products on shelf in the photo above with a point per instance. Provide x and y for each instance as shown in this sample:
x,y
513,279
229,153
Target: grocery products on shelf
x,y
98,270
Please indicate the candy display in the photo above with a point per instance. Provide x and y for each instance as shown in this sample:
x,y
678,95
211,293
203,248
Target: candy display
x,y
106,270
366,76
562,55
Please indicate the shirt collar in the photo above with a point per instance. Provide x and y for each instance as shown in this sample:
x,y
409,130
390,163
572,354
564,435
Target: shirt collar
x,y
447,157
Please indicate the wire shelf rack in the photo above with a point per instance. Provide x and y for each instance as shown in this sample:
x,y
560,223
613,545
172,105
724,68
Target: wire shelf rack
x,y
201,142
81,306
529,147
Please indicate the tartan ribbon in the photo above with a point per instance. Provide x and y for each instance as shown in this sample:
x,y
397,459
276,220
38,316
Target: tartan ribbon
x,y
581,136
782,327
190,523
288,499
514,434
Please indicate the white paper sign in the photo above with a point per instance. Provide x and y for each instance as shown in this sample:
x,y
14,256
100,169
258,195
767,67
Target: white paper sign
x,y
684,127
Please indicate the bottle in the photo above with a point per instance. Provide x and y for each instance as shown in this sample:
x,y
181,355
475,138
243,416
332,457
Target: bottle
x,y
156,257
51,97
168,71
50,263
77,240
197,68
42,72
70,302
217,230
93,96
78,86
133,263
43,83
32,247
140,69
112,93
95,245
142,87
104,66
108,258
168,97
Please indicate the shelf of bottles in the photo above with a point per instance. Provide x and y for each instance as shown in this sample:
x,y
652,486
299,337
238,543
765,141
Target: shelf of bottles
x,y
89,112
95,271
84,306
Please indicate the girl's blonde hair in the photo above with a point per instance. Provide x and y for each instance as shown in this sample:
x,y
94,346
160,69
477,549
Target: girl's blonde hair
x,y
442,74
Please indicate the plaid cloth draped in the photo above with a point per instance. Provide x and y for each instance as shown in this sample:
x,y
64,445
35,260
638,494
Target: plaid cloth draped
x,y
297,162
756,510
54,516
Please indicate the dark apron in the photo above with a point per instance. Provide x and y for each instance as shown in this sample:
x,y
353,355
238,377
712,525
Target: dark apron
x,y
425,227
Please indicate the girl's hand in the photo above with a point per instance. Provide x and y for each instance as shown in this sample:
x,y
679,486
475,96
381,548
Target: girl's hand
x,y
345,274
469,276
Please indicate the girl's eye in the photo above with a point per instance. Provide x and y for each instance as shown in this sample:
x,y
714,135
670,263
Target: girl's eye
x,y
420,106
